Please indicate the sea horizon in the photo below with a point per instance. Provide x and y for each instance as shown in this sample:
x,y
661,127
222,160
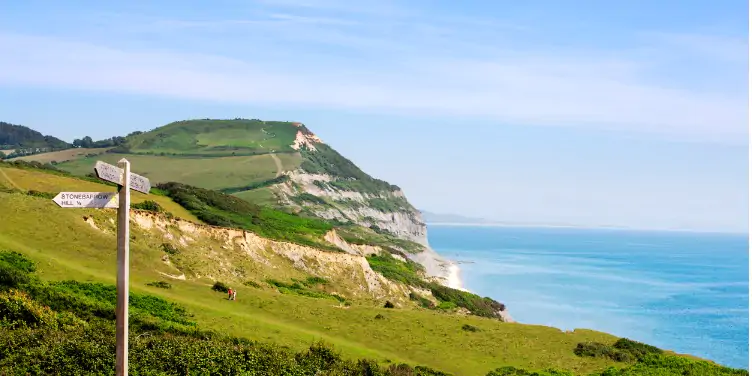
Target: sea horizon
x,y
547,276
583,227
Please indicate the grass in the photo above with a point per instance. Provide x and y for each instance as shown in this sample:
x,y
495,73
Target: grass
x,y
216,138
44,182
220,209
63,155
209,173
67,248
376,237
260,196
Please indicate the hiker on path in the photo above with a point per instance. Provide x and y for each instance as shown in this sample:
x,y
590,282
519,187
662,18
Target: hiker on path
x,y
234,294
229,294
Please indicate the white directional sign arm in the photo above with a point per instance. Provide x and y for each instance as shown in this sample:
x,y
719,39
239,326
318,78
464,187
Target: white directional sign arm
x,y
114,174
86,199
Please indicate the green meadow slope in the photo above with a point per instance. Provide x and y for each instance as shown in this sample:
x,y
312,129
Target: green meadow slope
x,y
289,295
280,164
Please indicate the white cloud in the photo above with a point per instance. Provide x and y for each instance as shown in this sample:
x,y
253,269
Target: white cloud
x,y
390,59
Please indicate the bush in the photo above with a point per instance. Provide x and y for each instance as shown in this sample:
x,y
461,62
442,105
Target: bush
x,y
170,249
484,307
224,210
18,261
388,304
41,194
252,284
148,205
17,308
470,328
380,317
636,348
303,288
423,302
220,287
15,270
160,284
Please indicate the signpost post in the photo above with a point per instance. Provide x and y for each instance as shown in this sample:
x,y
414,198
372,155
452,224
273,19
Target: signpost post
x,y
126,180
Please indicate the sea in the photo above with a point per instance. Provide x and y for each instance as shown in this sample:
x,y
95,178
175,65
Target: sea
x,y
686,292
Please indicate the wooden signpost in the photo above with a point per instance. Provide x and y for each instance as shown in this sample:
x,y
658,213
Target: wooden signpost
x,y
126,180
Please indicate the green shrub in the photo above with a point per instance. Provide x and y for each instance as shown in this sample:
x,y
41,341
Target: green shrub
x,y
447,306
220,287
148,205
170,249
17,308
41,194
636,348
423,302
224,210
313,281
15,270
252,284
484,307
388,304
160,284
17,261
380,317
396,270
302,288
470,328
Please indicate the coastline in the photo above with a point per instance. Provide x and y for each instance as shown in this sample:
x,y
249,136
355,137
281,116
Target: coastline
x,y
447,272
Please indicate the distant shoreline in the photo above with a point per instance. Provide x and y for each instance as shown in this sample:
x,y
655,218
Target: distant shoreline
x,y
574,227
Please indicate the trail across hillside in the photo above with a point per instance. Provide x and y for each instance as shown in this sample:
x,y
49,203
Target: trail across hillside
x,y
277,162
6,177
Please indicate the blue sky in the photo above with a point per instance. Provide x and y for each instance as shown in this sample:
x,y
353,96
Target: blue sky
x,y
583,112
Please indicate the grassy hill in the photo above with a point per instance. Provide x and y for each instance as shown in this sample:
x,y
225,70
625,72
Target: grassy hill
x,y
280,164
79,244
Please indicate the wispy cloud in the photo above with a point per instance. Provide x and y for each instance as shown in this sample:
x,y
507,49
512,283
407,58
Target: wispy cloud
x,y
388,58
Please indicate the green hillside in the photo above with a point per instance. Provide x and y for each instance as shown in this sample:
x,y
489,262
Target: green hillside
x,y
279,304
24,140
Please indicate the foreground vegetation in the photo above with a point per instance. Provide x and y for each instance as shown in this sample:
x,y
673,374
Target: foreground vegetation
x,y
409,273
225,210
65,247
67,328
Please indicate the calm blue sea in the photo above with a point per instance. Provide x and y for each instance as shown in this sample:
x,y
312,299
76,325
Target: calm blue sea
x,y
687,292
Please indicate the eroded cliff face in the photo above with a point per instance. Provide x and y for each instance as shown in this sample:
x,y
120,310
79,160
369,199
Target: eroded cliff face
x,y
346,205
233,255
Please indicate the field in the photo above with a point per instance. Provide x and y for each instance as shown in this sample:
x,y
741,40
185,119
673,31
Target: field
x,y
216,138
62,155
40,181
209,173
67,248
261,196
